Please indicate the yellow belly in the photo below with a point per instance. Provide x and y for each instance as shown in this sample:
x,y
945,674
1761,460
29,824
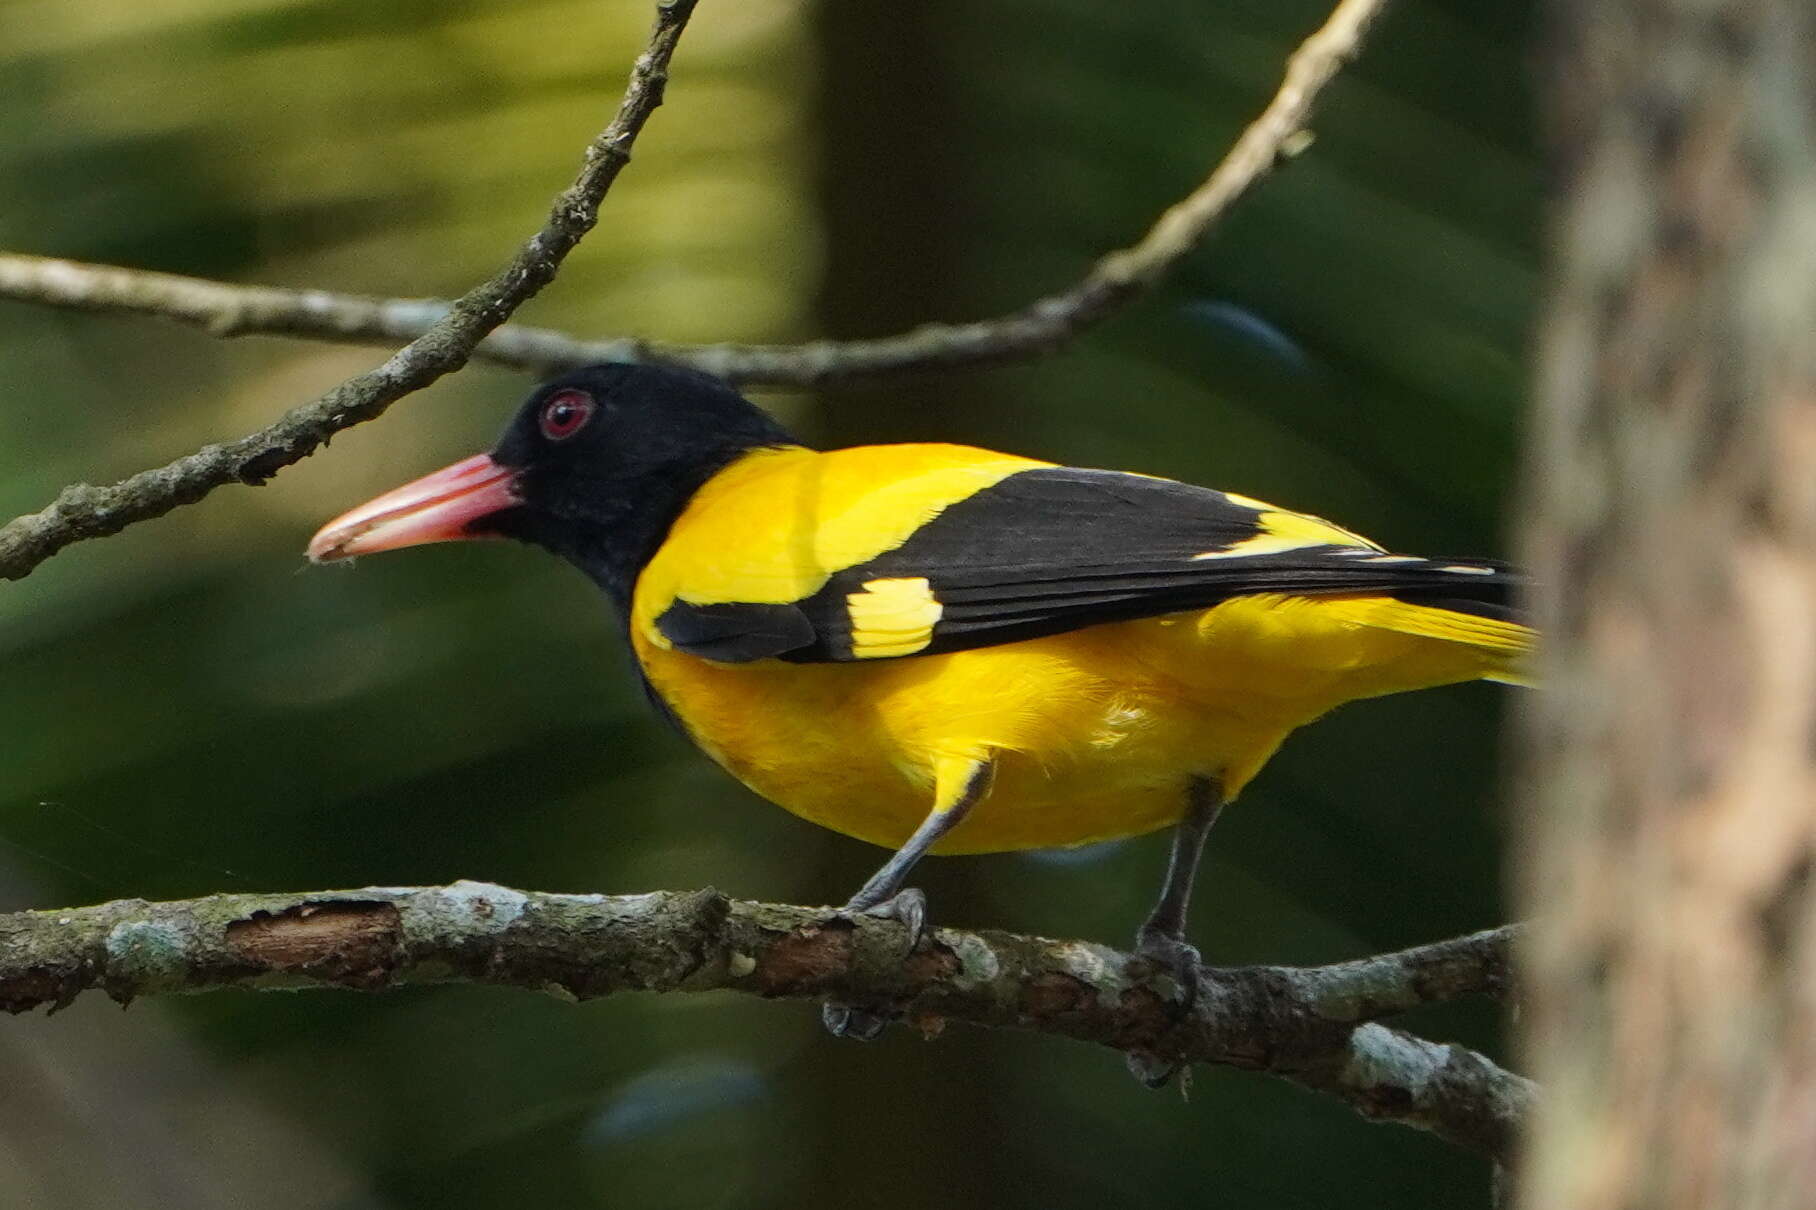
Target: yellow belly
x,y
1095,733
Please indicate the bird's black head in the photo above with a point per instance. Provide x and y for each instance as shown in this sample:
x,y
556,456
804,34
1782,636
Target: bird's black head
x,y
594,467
604,458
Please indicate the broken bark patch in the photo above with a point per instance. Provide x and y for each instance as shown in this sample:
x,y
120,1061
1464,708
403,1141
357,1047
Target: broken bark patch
x,y
356,943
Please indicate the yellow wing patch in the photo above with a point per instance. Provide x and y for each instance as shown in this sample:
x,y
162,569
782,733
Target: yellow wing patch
x,y
1278,530
1278,523
1262,544
892,617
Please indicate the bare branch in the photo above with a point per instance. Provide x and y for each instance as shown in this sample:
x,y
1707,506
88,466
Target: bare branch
x,y
1301,1023
1040,327
82,511
225,309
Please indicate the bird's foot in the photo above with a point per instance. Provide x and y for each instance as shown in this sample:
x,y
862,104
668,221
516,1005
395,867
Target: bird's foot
x,y
844,1021
909,906
1179,958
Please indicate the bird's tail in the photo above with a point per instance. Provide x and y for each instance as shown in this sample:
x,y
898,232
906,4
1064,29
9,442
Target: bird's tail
x,y
1485,621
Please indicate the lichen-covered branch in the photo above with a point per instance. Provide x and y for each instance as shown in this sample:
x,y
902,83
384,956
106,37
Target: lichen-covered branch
x,y
83,511
1367,989
1039,327
1313,1025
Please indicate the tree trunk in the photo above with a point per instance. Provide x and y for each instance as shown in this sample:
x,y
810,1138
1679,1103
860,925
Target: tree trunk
x,y
1671,759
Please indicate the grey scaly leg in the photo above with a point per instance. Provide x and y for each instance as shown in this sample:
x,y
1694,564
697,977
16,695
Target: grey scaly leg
x,y
1161,937
960,786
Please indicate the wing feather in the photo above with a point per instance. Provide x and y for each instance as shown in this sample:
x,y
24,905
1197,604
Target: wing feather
x,y
1053,549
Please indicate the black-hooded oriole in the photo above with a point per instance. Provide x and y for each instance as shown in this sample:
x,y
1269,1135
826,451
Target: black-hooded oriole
x,y
937,648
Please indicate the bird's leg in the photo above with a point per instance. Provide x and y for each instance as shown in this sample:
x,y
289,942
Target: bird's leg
x,y
1161,937
959,783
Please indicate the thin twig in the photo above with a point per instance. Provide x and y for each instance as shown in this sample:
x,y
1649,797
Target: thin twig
x,y
1040,327
1303,1023
82,511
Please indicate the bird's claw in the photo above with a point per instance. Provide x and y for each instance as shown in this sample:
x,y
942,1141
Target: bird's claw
x,y
844,1021
909,906
1152,1070
1181,960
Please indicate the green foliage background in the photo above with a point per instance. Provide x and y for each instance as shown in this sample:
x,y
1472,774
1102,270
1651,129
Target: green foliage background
x,y
186,708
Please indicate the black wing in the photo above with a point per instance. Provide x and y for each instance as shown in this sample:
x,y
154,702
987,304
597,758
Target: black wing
x,y
1050,550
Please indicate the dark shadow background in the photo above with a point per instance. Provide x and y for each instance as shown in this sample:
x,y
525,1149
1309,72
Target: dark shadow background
x,y
188,709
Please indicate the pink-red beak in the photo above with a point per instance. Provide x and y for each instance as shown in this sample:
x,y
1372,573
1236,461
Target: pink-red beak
x,y
436,508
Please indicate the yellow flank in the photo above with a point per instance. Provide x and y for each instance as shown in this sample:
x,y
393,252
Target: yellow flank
x,y
892,617
1093,733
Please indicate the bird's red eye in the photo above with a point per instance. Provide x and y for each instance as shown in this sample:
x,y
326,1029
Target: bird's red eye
x,y
566,413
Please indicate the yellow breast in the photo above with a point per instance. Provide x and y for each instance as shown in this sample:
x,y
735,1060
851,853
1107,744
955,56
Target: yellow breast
x,y
1096,733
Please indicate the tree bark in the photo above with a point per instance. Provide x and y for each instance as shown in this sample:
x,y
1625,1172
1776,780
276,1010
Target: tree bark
x,y
1672,758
